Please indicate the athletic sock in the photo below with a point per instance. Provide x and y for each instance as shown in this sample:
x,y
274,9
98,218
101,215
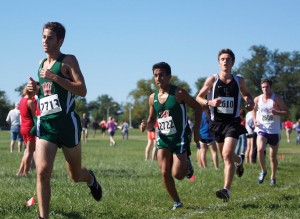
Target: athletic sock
x,y
228,191
93,181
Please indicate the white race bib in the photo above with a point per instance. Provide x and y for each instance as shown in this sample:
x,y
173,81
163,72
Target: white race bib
x,y
50,105
166,125
266,118
226,106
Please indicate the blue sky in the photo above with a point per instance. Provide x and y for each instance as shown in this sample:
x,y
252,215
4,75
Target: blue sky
x,y
117,41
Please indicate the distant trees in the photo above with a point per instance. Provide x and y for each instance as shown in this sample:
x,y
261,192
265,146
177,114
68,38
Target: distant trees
x,y
102,107
4,108
282,67
20,89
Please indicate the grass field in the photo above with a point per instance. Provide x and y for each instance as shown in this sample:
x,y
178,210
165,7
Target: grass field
x,y
133,187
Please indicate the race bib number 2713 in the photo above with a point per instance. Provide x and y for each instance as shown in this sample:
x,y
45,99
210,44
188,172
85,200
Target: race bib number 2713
x,y
50,105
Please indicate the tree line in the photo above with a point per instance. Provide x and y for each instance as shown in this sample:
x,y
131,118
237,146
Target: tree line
x,y
282,67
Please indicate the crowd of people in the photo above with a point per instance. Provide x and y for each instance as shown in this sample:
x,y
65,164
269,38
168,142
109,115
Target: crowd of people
x,y
237,133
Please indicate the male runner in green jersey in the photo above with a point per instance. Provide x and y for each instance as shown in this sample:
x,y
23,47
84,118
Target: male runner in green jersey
x,y
167,105
58,126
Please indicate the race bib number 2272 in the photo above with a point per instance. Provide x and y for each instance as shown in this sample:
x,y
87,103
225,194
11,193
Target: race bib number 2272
x,y
166,125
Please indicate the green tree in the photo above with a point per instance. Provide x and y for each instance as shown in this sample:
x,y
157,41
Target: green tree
x,y
20,89
282,67
254,69
4,108
285,72
126,114
103,107
81,106
199,84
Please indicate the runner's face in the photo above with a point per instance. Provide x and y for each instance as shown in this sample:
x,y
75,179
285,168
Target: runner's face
x,y
50,42
161,78
225,62
266,89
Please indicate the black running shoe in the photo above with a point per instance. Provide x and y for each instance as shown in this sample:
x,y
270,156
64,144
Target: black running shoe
x,y
240,168
190,171
223,194
96,189
261,177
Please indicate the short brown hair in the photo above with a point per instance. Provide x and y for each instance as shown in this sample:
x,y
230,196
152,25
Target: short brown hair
x,y
227,51
56,27
266,80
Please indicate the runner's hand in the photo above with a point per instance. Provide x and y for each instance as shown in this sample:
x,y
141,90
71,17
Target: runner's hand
x,y
31,85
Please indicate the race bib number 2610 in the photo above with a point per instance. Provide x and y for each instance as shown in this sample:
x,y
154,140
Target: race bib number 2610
x,y
50,105
226,106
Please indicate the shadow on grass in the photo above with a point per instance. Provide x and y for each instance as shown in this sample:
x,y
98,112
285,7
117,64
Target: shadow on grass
x,y
121,173
250,206
72,214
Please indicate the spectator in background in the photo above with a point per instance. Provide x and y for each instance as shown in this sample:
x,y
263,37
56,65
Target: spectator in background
x,y
242,142
297,129
124,130
102,125
27,112
250,155
288,126
151,135
13,119
95,127
191,125
111,128
85,123
207,140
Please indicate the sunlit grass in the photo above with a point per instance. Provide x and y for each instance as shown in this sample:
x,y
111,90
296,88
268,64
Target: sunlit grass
x,y
133,188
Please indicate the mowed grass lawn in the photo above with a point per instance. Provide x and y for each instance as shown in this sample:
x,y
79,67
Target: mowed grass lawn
x,y
133,188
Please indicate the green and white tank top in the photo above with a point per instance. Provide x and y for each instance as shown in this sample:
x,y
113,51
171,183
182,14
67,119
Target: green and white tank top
x,y
54,100
171,116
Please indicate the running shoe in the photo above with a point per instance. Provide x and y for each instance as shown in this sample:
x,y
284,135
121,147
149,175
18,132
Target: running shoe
x,y
240,168
261,177
177,205
273,182
96,189
190,171
223,194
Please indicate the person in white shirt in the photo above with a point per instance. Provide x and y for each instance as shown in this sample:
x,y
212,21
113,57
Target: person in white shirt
x,y
13,119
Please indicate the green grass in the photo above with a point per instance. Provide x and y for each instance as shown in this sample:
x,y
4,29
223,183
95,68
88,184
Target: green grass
x,y
133,187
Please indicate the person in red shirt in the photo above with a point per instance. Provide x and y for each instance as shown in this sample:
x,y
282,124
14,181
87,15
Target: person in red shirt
x,y
27,112
151,133
288,125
